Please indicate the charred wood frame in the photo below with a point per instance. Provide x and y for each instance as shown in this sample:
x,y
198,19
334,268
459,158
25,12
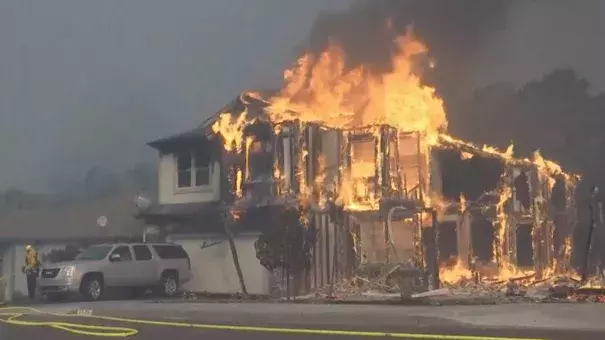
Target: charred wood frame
x,y
376,195
530,221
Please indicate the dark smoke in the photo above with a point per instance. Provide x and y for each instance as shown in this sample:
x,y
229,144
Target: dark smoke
x,y
455,32
555,113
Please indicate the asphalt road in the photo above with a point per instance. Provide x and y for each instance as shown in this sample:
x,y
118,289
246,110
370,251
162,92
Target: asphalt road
x,y
10,332
285,323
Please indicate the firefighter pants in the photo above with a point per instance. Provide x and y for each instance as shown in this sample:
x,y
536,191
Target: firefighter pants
x,y
31,284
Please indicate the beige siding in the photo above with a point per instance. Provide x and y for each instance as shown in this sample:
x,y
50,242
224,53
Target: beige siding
x,y
403,238
372,241
168,192
374,245
213,269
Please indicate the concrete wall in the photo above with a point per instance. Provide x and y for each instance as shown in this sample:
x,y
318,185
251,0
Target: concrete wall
x,y
213,268
170,194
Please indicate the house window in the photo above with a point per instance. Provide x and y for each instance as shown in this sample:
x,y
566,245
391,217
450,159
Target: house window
x,y
193,169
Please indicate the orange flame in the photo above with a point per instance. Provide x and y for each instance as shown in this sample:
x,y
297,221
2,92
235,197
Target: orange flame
x,y
231,127
455,274
322,89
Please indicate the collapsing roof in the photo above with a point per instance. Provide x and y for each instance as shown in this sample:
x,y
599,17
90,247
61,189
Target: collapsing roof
x,y
204,130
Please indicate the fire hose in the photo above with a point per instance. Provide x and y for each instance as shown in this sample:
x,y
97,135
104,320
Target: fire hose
x,y
14,313
11,316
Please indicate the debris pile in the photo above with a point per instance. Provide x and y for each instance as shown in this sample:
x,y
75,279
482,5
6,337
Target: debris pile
x,y
400,286
527,289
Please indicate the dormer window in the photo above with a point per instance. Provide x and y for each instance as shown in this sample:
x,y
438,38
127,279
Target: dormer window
x,y
193,169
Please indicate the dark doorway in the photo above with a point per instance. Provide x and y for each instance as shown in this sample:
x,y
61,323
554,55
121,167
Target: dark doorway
x,y
482,237
525,249
448,242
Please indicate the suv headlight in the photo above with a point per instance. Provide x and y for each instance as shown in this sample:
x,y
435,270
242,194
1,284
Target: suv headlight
x,y
68,271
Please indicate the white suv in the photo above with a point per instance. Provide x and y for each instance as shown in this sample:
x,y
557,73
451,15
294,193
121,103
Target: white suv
x,y
162,266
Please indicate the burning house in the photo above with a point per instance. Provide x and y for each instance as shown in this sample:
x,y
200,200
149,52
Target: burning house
x,y
349,176
337,201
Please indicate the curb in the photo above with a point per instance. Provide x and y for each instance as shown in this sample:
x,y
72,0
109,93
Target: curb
x,y
392,302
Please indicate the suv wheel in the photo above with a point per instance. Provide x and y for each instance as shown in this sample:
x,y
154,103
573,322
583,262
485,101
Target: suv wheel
x,y
170,285
92,288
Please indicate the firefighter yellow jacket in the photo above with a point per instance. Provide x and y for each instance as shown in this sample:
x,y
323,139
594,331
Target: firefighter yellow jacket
x,y
31,260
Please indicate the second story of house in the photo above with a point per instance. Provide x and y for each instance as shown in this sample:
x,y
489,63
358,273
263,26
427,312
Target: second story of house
x,y
189,170
247,160
259,159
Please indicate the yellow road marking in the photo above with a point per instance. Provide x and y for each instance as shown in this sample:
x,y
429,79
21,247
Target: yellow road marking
x,y
108,331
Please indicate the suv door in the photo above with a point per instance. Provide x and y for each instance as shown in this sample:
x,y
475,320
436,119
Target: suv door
x,y
145,266
120,269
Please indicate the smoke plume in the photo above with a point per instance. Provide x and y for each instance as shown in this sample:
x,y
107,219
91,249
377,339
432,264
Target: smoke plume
x,y
455,32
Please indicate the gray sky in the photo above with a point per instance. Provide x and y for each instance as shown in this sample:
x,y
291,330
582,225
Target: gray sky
x,y
89,82
542,35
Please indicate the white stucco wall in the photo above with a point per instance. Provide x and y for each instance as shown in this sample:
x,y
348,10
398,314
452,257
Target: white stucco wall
x,y
168,192
20,281
213,268
6,274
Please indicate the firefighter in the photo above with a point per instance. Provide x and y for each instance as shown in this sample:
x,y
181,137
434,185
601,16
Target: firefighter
x,y
31,269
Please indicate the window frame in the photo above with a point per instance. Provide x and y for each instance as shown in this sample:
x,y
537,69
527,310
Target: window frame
x,y
121,258
193,187
175,248
142,246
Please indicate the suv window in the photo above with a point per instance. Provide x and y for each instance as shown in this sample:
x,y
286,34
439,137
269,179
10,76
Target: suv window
x,y
124,252
167,252
141,253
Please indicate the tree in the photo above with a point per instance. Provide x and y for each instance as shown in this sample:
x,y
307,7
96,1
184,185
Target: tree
x,y
555,114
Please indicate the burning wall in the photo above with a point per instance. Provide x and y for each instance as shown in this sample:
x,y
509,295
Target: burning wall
x,y
337,138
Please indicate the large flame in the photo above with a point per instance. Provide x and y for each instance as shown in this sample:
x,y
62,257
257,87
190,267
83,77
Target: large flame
x,y
231,127
322,89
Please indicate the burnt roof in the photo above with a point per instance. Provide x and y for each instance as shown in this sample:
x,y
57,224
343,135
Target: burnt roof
x,y
202,132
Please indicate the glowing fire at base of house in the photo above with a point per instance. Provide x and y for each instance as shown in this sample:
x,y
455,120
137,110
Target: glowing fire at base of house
x,y
360,140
